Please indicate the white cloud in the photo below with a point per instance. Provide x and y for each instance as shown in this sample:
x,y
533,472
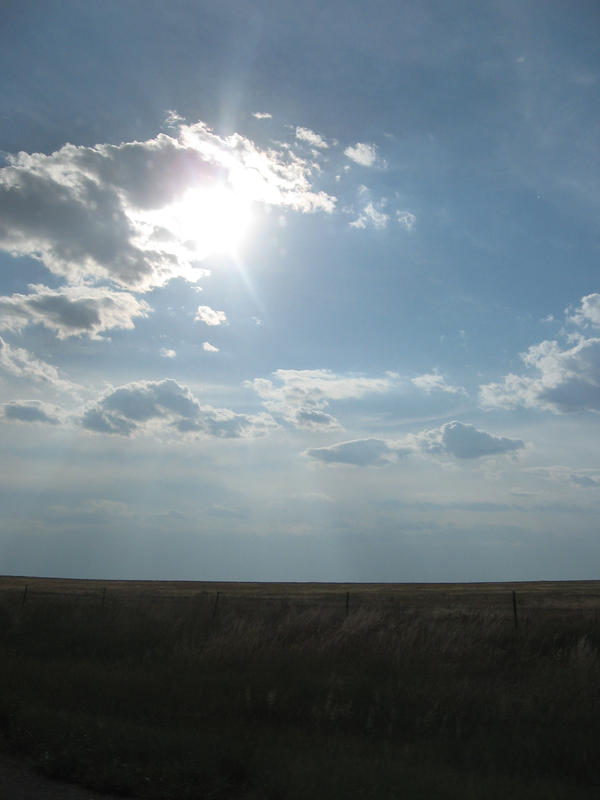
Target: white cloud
x,y
21,363
300,397
312,138
30,411
433,381
262,115
567,379
71,310
210,348
167,352
588,312
463,441
115,211
406,219
361,153
173,119
370,216
145,406
209,316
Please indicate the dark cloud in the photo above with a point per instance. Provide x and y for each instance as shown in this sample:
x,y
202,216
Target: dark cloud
x,y
131,408
30,411
464,441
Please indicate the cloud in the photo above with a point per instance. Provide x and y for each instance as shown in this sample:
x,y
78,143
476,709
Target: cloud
x,y
300,397
167,352
210,348
262,115
209,316
463,441
30,411
71,310
143,406
114,212
21,363
312,138
561,474
363,154
588,312
370,216
567,379
455,439
358,453
406,219
433,381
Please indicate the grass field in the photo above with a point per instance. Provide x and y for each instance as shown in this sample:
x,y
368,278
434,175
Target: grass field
x,y
195,690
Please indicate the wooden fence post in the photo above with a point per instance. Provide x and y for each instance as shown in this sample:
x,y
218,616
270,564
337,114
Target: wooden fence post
x,y
514,604
24,595
347,603
216,606
103,596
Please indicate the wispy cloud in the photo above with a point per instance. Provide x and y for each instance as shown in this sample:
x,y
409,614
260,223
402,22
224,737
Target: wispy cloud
x,y
210,348
370,215
358,453
21,363
311,138
434,382
300,397
406,220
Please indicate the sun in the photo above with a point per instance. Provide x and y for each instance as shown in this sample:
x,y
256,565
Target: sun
x,y
213,219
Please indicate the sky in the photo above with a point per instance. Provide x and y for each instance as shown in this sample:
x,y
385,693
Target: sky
x,y
300,291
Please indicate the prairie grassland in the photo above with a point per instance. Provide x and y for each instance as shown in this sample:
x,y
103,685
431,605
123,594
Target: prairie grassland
x,y
168,690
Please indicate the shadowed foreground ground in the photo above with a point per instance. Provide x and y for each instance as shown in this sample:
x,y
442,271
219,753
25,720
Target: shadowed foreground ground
x,y
191,690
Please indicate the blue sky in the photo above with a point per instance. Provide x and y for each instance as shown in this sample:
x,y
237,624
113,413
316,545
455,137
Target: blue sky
x,y
300,291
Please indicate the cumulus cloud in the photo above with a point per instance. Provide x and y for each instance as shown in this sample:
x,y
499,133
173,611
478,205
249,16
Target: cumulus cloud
x,y
210,348
562,377
358,453
312,138
567,379
463,441
144,406
30,411
21,363
406,219
361,153
455,439
71,310
300,397
262,115
434,382
209,316
117,211
167,352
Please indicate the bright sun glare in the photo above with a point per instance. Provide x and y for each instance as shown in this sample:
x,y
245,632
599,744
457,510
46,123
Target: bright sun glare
x,y
210,220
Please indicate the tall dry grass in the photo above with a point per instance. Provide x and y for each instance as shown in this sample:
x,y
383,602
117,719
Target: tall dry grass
x,y
289,697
